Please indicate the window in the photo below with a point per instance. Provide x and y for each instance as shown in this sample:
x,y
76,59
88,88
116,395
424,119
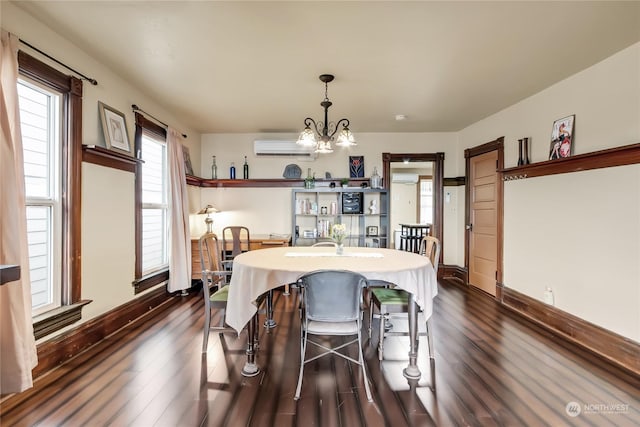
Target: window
x,y
152,205
40,126
425,189
51,124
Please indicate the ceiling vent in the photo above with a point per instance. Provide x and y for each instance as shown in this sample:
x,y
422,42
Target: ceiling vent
x,y
283,149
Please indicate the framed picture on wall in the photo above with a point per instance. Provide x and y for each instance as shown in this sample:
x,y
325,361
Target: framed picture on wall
x,y
188,167
356,166
561,138
114,129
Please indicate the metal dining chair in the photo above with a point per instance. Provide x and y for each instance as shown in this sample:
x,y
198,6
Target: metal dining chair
x,y
394,302
235,240
331,307
216,275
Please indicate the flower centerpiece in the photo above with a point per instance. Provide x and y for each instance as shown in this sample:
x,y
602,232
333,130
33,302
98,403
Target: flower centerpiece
x,y
338,234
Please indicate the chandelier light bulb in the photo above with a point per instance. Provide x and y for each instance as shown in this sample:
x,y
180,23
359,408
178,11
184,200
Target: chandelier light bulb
x,y
346,138
307,138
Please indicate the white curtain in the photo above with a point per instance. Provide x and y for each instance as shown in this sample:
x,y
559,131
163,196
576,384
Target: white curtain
x,y
180,257
18,354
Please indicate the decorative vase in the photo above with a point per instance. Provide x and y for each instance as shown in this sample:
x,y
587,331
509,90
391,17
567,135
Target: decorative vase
x,y
526,151
520,158
375,179
339,248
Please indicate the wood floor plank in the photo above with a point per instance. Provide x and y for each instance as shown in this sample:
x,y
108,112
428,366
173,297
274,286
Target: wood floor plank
x,y
491,368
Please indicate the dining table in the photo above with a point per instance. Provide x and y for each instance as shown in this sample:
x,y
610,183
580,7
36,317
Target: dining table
x,y
256,273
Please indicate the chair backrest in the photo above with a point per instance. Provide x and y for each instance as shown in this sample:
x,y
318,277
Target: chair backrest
x,y
235,240
210,253
327,244
430,247
332,295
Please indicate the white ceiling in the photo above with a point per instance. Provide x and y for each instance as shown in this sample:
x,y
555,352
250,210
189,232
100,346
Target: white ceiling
x,y
253,67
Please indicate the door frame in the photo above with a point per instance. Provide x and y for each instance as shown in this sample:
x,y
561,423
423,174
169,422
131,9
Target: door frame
x,y
495,145
438,185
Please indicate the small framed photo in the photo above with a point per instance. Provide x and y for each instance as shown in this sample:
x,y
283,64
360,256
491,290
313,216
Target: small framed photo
x,y
356,166
188,167
561,138
372,230
114,128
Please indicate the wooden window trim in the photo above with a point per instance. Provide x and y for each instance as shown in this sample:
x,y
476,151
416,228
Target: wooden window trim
x,y
148,282
58,318
144,126
71,170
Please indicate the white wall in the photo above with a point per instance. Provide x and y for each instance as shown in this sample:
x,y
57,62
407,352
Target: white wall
x,y
268,210
591,256
579,234
108,246
233,147
404,208
108,238
605,99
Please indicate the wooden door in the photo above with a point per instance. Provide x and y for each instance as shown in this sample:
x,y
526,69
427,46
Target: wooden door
x,y
483,221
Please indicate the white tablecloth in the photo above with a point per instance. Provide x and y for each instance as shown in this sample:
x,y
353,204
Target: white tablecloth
x,y
256,272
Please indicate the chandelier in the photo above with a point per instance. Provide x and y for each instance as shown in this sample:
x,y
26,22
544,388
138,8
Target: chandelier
x,y
322,134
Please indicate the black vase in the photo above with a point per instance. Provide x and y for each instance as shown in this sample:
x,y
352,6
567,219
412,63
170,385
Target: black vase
x,y
520,159
526,151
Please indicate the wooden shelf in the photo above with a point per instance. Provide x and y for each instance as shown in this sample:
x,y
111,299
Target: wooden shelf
x,y
108,158
619,156
276,182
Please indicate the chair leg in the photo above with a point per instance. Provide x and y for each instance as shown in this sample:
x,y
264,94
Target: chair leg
x,y
370,317
303,353
364,369
383,319
223,313
207,324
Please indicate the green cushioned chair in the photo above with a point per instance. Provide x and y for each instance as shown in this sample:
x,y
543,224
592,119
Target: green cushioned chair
x,y
391,302
215,284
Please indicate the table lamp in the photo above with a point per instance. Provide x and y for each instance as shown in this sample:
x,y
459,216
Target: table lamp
x,y
208,210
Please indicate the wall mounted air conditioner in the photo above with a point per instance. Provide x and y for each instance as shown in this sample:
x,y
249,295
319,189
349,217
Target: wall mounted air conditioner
x,y
283,149
404,178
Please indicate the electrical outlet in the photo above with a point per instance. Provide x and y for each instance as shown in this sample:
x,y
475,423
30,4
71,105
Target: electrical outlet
x,y
548,296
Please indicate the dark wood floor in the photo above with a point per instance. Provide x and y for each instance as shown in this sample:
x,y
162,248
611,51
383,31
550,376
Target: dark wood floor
x,y
491,369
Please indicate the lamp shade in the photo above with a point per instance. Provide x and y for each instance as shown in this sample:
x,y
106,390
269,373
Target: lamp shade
x,y
207,210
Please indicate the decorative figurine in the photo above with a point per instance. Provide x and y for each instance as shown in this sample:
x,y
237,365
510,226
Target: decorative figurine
x,y
373,207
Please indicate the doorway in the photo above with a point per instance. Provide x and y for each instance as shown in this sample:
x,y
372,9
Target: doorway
x,y
436,161
483,216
